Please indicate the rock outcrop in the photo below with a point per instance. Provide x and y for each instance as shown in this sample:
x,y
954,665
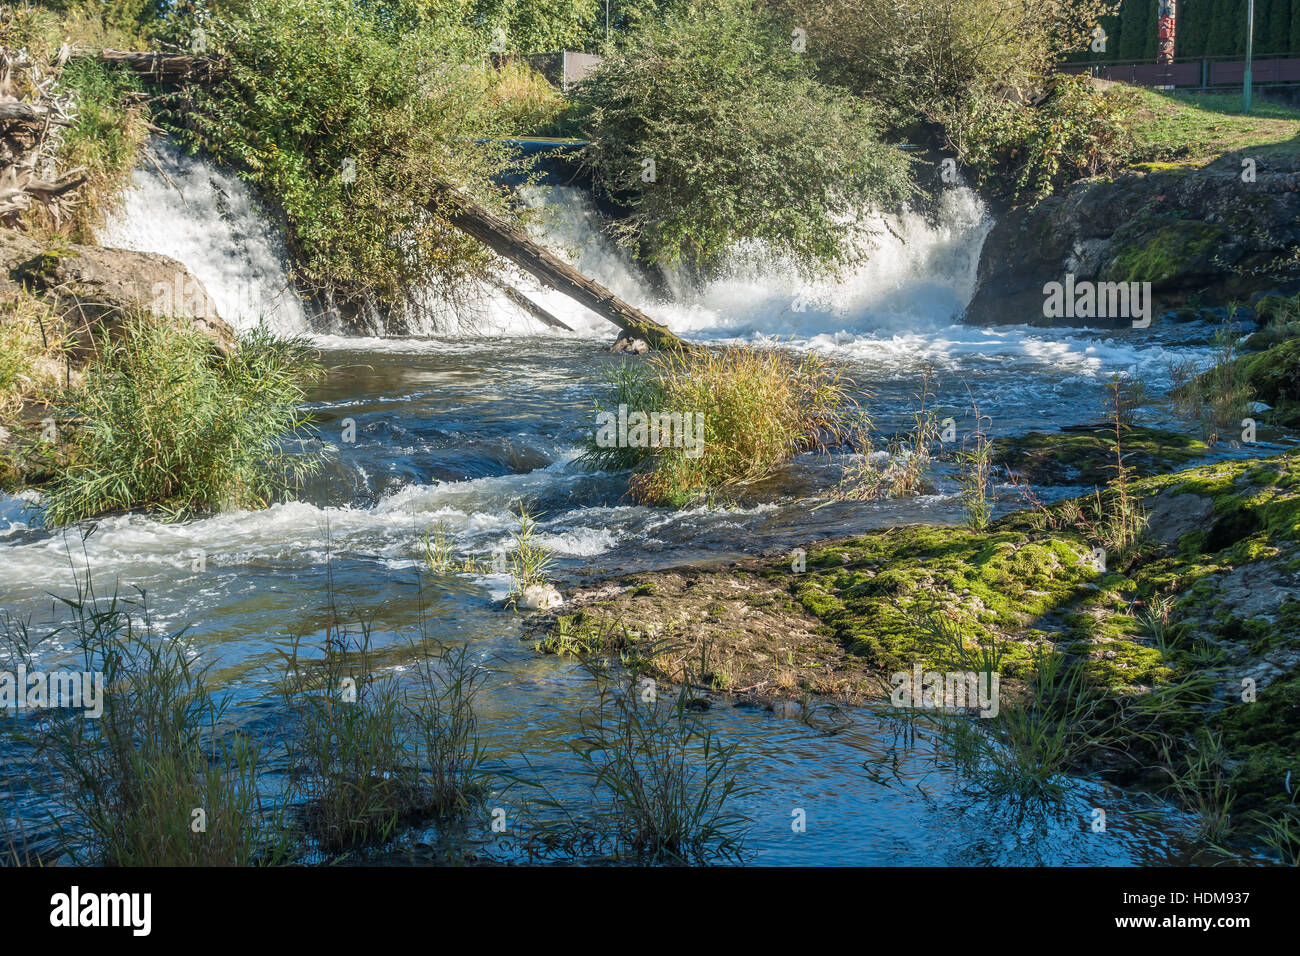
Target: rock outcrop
x,y
1190,232
94,287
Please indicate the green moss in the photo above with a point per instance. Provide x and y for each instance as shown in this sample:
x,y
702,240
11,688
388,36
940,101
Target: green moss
x,y
1089,457
1168,255
1264,737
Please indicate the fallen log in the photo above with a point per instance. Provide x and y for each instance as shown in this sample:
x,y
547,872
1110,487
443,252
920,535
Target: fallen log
x,y
159,66
511,243
529,306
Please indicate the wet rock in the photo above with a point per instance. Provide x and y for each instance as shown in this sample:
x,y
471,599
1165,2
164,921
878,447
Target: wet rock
x,y
630,345
1186,231
94,287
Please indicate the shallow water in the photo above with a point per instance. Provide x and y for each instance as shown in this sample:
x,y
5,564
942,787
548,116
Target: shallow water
x,y
464,430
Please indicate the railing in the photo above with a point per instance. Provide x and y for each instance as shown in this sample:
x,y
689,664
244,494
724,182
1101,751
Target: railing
x,y
1201,72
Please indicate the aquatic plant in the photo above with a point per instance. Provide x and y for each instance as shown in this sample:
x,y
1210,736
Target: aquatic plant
x,y
160,778
169,425
528,561
976,462
907,467
366,751
661,779
747,411
1217,398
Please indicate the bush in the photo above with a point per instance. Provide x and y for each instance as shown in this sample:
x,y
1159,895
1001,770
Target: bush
x,y
933,59
1026,153
759,407
105,140
31,352
354,120
746,144
169,425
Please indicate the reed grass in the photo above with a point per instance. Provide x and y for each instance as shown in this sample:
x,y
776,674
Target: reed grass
x,y
160,779
760,405
908,458
170,426
663,782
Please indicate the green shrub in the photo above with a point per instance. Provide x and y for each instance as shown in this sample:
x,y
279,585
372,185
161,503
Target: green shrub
x,y
354,120
169,425
758,407
1026,153
746,144
934,59
105,140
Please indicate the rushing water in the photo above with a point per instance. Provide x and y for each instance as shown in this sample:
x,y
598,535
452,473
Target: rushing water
x,y
464,428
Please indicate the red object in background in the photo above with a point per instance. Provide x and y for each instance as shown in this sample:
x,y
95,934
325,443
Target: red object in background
x,y
1166,27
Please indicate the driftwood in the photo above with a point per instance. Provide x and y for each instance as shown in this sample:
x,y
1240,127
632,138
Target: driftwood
x,y
162,67
33,114
529,306
511,243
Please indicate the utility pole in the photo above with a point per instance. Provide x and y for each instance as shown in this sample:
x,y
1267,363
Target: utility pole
x,y
607,27
1250,44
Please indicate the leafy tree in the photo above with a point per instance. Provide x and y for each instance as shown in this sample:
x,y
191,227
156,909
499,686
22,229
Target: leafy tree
x,y
353,121
710,130
933,58
535,26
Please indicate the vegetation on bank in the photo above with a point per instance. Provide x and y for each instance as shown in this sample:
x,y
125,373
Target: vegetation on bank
x,y
166,424
154,417
108,119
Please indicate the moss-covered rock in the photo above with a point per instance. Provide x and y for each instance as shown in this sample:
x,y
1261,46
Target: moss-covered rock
x,y
1169,633
1088,457
1177,254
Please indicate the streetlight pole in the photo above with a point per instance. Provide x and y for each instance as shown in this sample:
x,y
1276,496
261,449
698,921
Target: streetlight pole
x,y
1250,44
607,26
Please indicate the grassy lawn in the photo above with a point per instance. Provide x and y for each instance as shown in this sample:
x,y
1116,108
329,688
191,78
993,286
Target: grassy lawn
x,y
1189,128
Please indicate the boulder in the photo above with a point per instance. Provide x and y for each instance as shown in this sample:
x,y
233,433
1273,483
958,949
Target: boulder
x,y
94,287
1188,231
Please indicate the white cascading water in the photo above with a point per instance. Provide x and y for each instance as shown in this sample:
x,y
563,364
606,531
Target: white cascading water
x,y
209,220
916,278
916,274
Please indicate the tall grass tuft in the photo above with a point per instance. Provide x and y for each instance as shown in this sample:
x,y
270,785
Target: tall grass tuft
x,y
1217,398
976,461
159,779
662,780
760,407
171,426
366,753
909,455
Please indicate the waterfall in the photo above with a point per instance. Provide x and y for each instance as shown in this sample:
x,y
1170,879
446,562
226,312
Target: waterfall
x,y
916,273
208,219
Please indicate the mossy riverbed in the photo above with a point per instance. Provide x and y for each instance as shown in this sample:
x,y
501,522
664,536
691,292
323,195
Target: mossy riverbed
x,y
1209,598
